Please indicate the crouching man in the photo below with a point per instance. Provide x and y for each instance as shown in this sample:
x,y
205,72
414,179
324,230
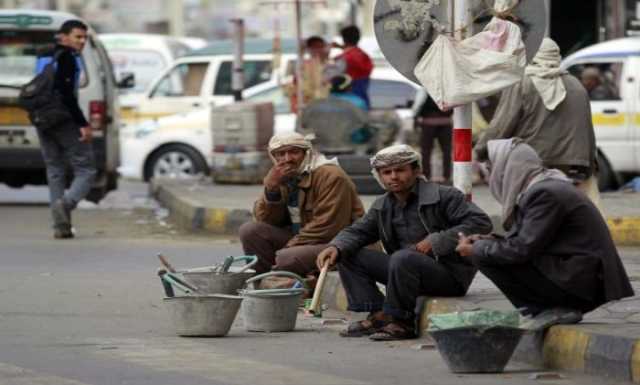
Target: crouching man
x,y
307,200
418,223
557,260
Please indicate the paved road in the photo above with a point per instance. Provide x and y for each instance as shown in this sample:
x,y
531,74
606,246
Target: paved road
x,y
89,312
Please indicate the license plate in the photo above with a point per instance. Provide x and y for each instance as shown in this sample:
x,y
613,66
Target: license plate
x,y
13,116
14,138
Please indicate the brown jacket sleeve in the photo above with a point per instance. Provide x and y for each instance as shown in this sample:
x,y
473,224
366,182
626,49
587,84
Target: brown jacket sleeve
x,y
273,213
332,205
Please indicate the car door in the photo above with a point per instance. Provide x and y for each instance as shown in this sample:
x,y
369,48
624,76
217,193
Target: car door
x,y
179,90
612,107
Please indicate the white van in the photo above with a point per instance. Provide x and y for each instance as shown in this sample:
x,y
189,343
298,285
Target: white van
x,y
203,78
23,35
616,112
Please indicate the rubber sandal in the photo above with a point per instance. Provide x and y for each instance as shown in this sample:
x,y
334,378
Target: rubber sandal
x,y
393,332
362,328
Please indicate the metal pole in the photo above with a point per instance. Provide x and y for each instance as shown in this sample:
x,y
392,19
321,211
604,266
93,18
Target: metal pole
x,y
299,62
237,79
176,17
462,147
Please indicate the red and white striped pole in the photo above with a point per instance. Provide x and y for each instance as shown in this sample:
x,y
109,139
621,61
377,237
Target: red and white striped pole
x,y
462,116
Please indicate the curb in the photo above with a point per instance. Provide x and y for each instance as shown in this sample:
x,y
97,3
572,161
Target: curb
x,y
625,231
582,348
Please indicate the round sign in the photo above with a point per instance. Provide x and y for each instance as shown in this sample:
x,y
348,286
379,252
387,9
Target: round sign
x,y
405,29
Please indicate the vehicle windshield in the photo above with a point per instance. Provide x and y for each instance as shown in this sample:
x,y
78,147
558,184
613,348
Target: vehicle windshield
x,y
18,54
145,65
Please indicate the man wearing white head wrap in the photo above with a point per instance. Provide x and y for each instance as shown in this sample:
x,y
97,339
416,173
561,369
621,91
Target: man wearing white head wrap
x,y
417,222
550,110
558,259
307,200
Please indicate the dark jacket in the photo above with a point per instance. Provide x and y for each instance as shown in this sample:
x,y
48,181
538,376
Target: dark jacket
x,y
560,232
68,69
444,212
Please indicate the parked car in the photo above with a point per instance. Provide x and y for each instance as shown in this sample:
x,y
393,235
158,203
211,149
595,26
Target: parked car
x,y
181,144
615,116
203,79
24,34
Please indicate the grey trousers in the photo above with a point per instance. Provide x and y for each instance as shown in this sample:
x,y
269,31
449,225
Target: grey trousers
x,y
268,243
62,148
407,275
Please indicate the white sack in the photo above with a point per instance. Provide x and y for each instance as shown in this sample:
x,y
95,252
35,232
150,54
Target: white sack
x,y
456,73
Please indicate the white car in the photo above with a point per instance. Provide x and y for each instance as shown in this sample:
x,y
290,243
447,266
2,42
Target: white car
x,y
181,145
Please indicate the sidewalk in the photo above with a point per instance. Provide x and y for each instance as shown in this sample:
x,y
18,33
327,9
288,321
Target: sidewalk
x,y
197,205
606,343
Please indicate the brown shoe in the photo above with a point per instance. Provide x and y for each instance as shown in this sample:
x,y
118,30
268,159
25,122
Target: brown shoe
x,y
373,323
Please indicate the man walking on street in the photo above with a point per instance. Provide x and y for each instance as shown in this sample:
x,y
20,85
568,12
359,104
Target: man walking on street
x,y
70,142
355,62
418,223
307,200
550,110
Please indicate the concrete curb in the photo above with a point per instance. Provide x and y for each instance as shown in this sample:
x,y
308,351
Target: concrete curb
x,y
625,231
584,348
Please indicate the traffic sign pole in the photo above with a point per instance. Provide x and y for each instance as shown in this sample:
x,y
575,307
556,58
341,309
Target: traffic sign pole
x,y
462,115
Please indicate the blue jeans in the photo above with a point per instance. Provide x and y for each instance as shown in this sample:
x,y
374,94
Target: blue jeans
x,y
407,275
62,148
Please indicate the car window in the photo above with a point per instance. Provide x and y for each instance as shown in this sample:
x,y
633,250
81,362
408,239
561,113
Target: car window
x,y
391,94
276,96
255,72
145,64
183,80
19,51
601,80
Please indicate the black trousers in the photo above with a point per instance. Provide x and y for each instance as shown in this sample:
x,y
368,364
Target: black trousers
x,y
407,275
530,291
444,136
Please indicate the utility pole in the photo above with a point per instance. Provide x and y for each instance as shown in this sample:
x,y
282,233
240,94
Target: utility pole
x,y
462,116
175,16
237,80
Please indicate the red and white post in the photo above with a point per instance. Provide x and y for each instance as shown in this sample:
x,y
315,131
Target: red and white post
x,y
462,117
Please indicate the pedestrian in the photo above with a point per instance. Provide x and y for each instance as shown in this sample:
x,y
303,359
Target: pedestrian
x,y
435,124
70,142
341,88
550,110
307,200
417,222
355,62
557,260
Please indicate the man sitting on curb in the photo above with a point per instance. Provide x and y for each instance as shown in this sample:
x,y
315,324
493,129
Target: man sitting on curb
x,y
307,200
558,259
418,223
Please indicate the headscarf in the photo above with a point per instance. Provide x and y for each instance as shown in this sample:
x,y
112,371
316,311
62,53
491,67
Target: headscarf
x,y
394,156
515,167
546,75
312,160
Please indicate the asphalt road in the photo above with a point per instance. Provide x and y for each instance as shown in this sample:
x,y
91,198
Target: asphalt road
x,y
89,311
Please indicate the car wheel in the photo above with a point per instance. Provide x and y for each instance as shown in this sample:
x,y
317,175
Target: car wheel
x,y
606,176
175,161
367,185
355,164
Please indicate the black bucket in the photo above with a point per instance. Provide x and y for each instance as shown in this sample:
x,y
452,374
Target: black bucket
x,y
477,349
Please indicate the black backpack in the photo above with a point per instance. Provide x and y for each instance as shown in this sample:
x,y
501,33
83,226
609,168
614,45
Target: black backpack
x,y
42,102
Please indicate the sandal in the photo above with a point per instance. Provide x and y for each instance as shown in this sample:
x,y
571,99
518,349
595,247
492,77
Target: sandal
x,y
394,331
363,328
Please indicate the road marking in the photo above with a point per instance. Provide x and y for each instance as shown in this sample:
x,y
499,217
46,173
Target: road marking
x,y
207,361
15,375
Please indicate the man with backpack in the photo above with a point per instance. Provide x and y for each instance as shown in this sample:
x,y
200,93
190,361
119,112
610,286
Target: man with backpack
x,y
64,133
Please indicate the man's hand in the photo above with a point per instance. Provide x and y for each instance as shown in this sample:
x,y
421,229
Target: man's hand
x,y
327,256
86,134
276,176
465,245
424,246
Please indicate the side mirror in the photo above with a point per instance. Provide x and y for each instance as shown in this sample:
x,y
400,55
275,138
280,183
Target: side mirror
x,y
127,80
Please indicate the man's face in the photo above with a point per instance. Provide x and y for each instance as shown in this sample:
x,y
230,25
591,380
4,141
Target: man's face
x,y
590,82
76,39
318,50
289,156
398,179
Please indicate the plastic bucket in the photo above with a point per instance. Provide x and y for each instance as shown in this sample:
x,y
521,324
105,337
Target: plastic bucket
x,y
205,316
477,349
273,310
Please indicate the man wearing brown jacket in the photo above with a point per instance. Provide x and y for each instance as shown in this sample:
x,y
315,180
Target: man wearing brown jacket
x,y
307,200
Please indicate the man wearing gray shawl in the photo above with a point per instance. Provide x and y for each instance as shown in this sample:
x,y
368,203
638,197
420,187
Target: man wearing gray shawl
x,y
550,110
557,259
417,222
